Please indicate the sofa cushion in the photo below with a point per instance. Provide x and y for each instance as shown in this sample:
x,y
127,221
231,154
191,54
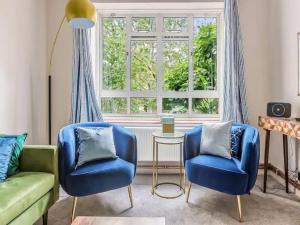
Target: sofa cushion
x,y
96,177
236,140
13,167
224,175
215,139
6,149
94,144
22,190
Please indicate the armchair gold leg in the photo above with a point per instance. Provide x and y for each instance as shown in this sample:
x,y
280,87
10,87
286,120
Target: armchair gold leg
x,y
240,208
73,209
130,195
188,192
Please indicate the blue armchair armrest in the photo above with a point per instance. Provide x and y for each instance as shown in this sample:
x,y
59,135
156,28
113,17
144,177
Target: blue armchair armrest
x,y
66,153
126,144
192,139
250,154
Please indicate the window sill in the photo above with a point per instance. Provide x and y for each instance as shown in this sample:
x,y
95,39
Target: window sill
x,y
155,121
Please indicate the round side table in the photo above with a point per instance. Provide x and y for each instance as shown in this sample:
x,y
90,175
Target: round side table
x,y
160,138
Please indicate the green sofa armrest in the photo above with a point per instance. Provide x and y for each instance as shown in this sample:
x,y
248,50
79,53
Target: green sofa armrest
x,y
41,158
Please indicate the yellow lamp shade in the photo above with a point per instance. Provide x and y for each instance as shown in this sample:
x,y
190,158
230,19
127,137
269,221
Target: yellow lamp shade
x,y
81,13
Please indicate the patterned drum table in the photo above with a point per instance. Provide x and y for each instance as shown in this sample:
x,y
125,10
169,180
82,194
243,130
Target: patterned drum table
x,y
288,127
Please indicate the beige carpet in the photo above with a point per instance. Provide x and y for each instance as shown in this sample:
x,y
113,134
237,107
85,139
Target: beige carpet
x,y
205,207
95,220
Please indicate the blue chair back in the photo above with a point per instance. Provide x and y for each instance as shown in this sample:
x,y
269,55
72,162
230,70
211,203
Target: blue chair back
x,y
125,143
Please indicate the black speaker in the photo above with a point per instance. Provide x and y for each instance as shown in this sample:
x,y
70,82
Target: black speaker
x,y
279,109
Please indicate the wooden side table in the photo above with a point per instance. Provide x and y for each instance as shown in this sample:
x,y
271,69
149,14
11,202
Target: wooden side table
x,y
288,127
160,138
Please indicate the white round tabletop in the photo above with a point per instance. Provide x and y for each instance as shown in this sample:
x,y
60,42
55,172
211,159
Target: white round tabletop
x,y
175,135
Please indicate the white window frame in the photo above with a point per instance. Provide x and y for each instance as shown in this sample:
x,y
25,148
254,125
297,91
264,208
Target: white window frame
x,y
202,10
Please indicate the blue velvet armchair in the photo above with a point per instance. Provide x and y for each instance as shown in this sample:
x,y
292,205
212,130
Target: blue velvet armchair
x,y
99,176
235,176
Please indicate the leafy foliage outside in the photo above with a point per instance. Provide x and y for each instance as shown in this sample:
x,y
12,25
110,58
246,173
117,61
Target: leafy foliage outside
x,y
205,105
205,58
175,24
114,54
114,105
144,66
143,24
143,105
175,105
176,65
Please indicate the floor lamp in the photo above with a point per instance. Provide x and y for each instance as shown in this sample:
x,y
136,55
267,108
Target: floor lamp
x,y
80,14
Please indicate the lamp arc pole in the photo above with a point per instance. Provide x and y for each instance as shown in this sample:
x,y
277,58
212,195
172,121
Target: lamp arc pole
x,y
50,81
80,14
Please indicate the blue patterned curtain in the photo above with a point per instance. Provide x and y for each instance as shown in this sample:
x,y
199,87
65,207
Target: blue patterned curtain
x,y
234,94
84,103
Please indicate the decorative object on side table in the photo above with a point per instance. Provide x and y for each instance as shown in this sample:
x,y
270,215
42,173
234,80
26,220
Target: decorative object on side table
x,y
168,124
160,138
279,109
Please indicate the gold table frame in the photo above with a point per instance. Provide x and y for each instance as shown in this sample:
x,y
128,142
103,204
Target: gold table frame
x,y
176,139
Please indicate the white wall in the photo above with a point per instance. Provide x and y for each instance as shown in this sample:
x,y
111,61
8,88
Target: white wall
x,y
270,39
284,20
62,65
23,57
254,19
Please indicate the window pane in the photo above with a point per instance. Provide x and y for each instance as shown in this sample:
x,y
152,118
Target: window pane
x,y
176,65
206,105
175,24
143,65
114,105
143,24
114,53
143,105
175,105
205,53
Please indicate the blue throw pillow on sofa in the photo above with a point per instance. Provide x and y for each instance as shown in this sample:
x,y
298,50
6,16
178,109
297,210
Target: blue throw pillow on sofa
x,y
236,140
6,150
95,144
19,140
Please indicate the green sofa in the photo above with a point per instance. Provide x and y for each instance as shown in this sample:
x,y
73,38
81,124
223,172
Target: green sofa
x,y
28,195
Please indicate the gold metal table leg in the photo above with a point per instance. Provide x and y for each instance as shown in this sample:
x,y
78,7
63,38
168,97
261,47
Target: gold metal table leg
x,y
156,153
180,166
184,181
153,165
